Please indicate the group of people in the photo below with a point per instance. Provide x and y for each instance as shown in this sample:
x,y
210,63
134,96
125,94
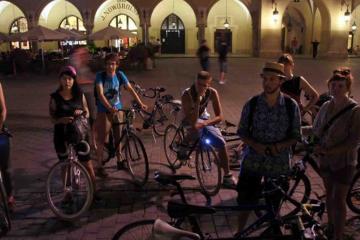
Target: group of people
x,y
203,54
270,125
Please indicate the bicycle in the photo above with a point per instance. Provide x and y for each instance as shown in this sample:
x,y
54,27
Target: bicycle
x,y
165,109
132,150
297,178
69,188
5,222
178,153
303,226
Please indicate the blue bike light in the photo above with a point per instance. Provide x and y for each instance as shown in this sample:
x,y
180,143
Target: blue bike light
x,y
207,141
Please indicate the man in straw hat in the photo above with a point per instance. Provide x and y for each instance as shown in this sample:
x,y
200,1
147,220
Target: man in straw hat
x,y
269,126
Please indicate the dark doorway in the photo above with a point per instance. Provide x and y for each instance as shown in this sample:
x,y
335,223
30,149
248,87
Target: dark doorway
x,y
223,33
173,35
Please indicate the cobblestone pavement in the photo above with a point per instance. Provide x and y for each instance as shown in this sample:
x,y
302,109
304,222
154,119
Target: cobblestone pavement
x,y
33,153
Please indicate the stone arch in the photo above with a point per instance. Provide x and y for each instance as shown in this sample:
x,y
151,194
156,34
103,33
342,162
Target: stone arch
x,y
9,12
297,23
55,11
238,15
185,12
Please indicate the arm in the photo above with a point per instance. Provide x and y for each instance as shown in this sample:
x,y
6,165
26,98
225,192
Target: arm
x,y
102,98
244,131
295,134
309,91
217,109
129,88
3,108
187,108
54,119
353,140
85,107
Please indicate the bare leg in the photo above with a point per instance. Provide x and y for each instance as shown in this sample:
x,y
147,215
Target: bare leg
x,y
103,129
224,160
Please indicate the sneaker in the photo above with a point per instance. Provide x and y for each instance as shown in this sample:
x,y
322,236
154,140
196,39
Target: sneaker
x,y
229,181
100,172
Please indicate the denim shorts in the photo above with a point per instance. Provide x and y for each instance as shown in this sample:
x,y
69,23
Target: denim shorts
x,y
211,135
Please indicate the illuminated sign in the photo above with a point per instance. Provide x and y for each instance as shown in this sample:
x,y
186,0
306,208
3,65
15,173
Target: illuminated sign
x,y
119,5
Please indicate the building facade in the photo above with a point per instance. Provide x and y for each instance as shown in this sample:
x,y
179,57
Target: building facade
x,y
251,27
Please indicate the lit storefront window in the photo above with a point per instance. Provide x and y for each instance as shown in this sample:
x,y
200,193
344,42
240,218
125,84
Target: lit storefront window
x,y
18,26
73,23
127,23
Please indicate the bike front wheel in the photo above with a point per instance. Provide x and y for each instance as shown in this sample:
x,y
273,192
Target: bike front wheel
x,y
208,170
136,158
173,140
69,190
353,196
166,114
137,230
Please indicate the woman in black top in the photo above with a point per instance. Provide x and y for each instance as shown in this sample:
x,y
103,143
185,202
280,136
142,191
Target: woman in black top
x,y
66,103
294,85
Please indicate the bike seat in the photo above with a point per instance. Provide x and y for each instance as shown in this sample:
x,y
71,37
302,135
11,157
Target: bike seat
x,y
163,230
166,179
177,209
229,124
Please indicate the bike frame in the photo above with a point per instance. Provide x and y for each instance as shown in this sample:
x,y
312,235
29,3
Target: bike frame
x,y
270,215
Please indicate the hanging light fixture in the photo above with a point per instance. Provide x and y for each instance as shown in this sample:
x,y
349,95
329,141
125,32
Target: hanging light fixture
x,y
226,23
275,12
347,14
353,26
173,24
67,24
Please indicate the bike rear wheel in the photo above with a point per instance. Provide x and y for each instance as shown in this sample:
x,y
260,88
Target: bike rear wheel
x,y
173,139
137,230
208,170
69,190
5,223
136,159
353,196
166,114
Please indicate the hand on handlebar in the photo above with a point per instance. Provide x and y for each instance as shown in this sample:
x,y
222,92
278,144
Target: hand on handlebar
x,y
144,107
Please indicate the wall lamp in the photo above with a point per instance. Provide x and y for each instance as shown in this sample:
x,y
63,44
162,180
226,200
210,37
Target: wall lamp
x,y
275,14
347,13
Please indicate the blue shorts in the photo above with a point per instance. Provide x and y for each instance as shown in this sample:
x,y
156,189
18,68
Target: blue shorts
x,y
211,135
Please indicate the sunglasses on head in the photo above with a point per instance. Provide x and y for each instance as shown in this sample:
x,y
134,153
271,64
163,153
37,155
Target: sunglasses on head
x,y
344,72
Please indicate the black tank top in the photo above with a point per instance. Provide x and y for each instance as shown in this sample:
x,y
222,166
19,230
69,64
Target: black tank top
x,y
292,88
66,108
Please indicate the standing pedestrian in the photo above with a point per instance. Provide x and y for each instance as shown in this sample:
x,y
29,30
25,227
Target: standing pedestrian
x,y
337,126
315,45
223,51
294,45
203,54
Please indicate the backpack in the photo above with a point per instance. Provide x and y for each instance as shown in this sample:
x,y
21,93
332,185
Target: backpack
x,y
103,78
289,111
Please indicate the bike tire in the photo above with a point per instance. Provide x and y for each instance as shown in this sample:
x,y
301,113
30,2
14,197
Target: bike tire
x,y
134,231
206,162
353,196
172,139
135,152
300,190
5,222
55,177
166,114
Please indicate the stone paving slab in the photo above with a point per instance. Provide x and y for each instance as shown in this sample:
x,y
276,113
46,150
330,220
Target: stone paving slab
x,y
33,153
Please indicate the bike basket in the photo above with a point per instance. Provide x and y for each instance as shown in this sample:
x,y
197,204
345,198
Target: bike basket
x,y
167,98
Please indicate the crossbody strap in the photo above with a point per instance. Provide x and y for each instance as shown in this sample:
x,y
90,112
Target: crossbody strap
x,y
332,120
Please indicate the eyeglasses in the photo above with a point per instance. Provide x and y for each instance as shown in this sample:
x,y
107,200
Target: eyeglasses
x,y
344,72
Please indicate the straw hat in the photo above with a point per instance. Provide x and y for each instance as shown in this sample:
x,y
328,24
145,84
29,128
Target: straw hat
x,y
273,69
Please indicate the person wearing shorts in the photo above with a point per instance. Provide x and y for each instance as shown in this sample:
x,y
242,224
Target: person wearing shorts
x,y
108,88
338,148
194,102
